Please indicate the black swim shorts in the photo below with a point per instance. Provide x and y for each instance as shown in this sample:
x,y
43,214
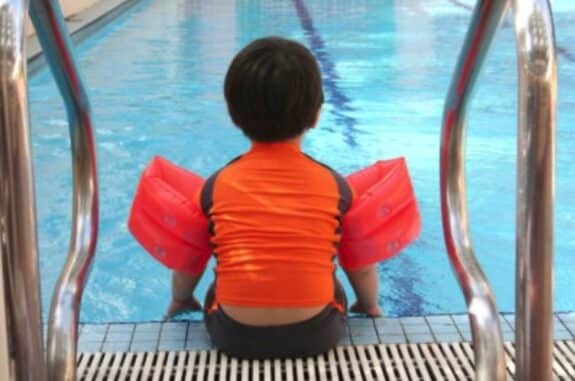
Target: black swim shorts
x,y
310,337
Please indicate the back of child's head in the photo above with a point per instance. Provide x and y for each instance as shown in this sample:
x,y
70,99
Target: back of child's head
x,y
273,89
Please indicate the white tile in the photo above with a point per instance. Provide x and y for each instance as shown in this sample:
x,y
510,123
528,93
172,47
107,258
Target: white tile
x,y
148,327
363,331
444,328
363,340
358,322
413,320
562,335
95,328
171,345
392,339
121,328
89,346
116,346
119,336
439,320
420,338
416,329
146,335
447,337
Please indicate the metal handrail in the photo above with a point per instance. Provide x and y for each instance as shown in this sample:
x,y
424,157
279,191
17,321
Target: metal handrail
x,y
537,65
481,307
535,190
18,240
64,312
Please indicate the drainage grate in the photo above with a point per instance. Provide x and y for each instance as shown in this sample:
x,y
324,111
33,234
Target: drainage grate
x,y
438,361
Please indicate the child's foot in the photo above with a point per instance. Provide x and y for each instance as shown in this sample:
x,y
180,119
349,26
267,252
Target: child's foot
x,y
178,307
372,311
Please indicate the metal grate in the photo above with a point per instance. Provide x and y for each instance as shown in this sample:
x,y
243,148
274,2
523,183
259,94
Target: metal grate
x,y
443,361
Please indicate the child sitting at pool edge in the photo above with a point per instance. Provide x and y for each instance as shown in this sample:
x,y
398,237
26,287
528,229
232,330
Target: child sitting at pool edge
x,y
275,219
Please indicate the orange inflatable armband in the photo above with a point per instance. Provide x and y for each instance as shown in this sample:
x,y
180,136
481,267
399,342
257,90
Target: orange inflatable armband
x,y
166,221
383,218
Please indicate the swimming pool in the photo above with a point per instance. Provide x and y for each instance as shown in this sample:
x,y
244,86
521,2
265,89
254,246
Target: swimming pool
x,y
155,78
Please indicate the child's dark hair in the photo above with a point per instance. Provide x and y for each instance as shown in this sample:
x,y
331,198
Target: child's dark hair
x,y
273,89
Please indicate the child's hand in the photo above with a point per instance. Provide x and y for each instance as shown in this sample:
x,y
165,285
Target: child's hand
x,y
178,306
373,311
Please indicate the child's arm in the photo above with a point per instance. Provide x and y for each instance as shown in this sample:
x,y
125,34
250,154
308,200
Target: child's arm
x,y
183,286
365,283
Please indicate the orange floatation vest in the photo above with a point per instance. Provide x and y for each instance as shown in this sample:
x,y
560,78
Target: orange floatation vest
x,y
167,221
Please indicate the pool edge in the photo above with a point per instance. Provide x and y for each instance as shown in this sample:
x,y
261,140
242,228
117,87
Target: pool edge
x,y
80,25
192,335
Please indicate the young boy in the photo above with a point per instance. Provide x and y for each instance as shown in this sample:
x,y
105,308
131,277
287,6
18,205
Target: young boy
x,y
275,219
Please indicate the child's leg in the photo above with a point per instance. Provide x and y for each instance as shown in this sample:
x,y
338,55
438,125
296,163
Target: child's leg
x,y
339,294
365,283
210,297
183,286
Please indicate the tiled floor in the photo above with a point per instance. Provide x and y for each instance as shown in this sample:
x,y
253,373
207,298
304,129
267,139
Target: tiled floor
x,y
151,336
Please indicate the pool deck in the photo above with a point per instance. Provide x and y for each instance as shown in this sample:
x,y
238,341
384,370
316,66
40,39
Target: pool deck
x,y
181,335
80,25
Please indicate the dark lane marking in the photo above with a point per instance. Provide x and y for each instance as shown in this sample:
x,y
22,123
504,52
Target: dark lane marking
x,y
341,103
403,278
561,50
569,56
461,4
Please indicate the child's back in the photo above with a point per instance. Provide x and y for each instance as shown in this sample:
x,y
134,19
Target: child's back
x,y
275,217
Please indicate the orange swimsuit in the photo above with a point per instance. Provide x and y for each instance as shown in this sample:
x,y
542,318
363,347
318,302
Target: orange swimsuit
x,y
275,222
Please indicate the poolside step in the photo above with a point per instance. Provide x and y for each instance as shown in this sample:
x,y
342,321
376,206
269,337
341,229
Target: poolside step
x,y
433,361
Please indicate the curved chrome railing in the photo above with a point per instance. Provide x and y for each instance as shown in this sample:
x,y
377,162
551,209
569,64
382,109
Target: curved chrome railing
x,y
64,312
483,314
536,54
535,193
18,241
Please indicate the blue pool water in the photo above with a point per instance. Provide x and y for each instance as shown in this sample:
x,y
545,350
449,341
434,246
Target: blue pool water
x,y
155,80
